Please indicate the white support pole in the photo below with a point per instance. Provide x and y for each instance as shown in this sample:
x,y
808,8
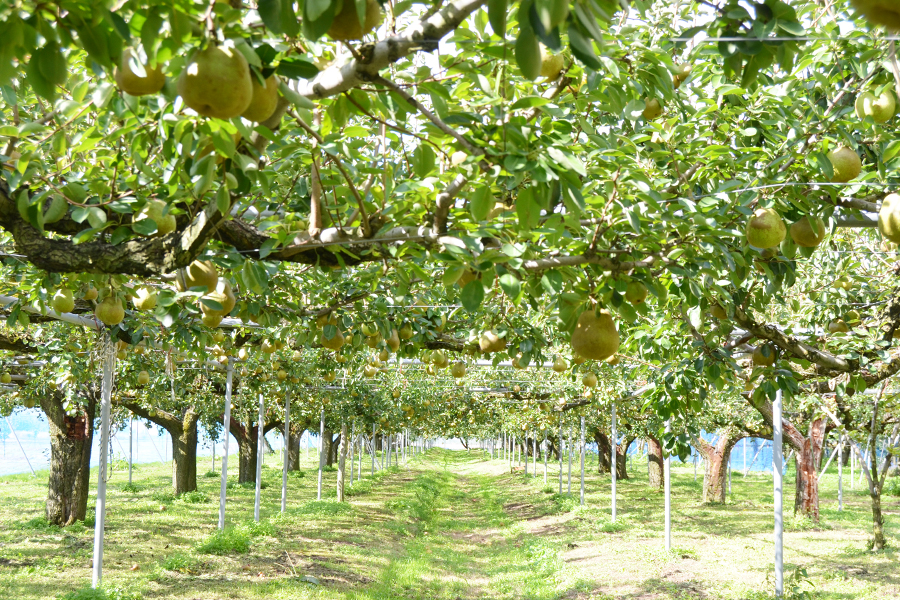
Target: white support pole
x,y
287,445
525,452
569,488
778,472
560,452
131,446
373,448
828,462
229,371
668,480
841,474
260,448
614,436
25,454
582,461
109,364
545,456
352,442
534,452
321,453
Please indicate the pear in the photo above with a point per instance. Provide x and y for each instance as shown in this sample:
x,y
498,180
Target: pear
x,y
144,299
718,312
889,218
384,355
346,24
764,355
394,340
765,229
589,380
373,341
595,336
90,293
334,343
577,359
155,210
137,85
879,12
211,320
491,342
636,293
264,100
198,274
880,108
805,235
838,326
845,163
143,378
216,82
613,360
560,365
458,369
5,378
224,296
63,301
110,311
652,109
406,332
368,329
281,375
551,64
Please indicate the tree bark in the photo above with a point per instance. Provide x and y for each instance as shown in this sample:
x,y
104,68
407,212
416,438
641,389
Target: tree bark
x,y
604,446
183,431
715,480
342,461
808,460
70,460
293,443
655,462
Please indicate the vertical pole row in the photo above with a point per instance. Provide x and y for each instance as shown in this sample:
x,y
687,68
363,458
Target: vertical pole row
x,y
841,473
131,447
668,482
287,445
534,452
545,456
373,448
582,461
109,363
260,448
778,471
560,452
321,453
614,436
229,371
352,442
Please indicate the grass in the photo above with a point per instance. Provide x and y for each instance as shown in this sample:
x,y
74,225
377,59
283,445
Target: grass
x,y
451,525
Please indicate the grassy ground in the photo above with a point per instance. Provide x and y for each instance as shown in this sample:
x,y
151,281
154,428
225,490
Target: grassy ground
x,y
449,526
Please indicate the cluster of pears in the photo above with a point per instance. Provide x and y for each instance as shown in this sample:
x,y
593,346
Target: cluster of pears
x,y
766,229
218,301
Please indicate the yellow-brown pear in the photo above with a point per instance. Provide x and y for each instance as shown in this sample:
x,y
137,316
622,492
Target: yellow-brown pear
x,y
130,82
346,25
595,336
880,12
804,234
216,83
265,98
889,218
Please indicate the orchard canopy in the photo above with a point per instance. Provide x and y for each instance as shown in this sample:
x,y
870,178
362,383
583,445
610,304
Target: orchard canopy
x,y
662,186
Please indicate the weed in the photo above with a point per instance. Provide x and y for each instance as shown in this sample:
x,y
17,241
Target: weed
x,y
194,497
296,474
892,487
359,488
163,496
131,488
548,489
230,541
181,562
324,508
107,592
37,524
211,474
262,528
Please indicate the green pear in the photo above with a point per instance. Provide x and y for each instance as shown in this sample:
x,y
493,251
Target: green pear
x,y
765,229
889,218
879,12
845,163
216,82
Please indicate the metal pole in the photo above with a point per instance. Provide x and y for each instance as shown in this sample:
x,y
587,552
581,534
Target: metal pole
x,y
131,446
569,490
25,454
582,461
287,444
352,442
560,452
612,468
109,363
260,448
534,452
544,445
373,448
841,474
778,471
321,452
229,371
668,479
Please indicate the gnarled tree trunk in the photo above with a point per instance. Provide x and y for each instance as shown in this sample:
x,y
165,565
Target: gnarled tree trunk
x,y
342,461
655,462
293,443
715,480
604,454
808,460
70,460
183,431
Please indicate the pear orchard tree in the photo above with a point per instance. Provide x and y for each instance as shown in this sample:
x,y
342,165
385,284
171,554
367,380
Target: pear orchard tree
x,y
613,171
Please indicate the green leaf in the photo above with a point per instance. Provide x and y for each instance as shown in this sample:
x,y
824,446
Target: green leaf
x,y
316,8
529,102
267,247
143,227
423,160
314,28
481,203
96,217
223,200
528,49
297,68
511,285
527,208
270,13
583,49
472,295
552,282
497,16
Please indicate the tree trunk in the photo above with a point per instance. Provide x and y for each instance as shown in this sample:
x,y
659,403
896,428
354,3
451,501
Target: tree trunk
x,y
845,455
342,461
293,443
184,455
70,460
808,459
605,451
715,480
327,443
247,457
878,543
655,462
